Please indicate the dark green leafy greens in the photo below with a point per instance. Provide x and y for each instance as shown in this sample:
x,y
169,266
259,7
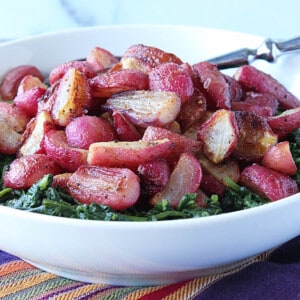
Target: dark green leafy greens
x,y
294,139
238,197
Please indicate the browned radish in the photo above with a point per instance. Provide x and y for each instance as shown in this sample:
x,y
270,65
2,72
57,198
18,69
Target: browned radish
x,y
118,188
107,84
100,58
23,172
57,148
82,66
214,85
171,77
255,136
14,117
268,183
33,137
126,131
211,186
145,58
192,111
286,122
256,80
61,180
262,104
28,82
154,176
145,108
185,178
279,158
11,80
9,139
28,100
230,168
219,135
128,154
182,143
72,98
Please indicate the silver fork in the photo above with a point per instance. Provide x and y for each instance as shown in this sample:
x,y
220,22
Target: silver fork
x,y
269,50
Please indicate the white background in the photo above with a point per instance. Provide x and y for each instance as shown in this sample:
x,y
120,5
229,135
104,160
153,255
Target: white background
x,y
270,18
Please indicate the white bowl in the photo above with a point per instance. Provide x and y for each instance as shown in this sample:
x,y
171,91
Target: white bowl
x,y
145,253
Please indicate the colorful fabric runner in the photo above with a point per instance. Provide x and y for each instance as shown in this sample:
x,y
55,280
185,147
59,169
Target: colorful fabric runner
x,y
272,275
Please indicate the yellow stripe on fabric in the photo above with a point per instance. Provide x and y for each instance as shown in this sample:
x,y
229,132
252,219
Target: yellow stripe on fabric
x,y
25,283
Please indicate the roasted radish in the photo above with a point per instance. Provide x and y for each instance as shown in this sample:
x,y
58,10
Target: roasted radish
x,y
219,135
268,183
58,149
145,108
256,80
85,130
118,188
72,98
185,178
23,172
128,154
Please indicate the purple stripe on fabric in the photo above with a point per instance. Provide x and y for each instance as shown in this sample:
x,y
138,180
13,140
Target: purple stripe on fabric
x,y
6,257
96,292
61,291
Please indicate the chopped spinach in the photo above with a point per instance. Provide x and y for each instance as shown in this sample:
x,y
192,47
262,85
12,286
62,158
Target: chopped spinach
x,y
239,197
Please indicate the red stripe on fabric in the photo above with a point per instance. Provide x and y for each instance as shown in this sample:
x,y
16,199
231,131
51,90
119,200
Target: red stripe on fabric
x,y
163,292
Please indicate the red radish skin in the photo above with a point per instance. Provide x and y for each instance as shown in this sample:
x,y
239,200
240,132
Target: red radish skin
x,y
256,80
126,131
128,154
179,184
118,188
154,176
213,85
10,82
172,77
268,183
182,143
13,116
86,130
82,66
285,123
101,59
28,100
23,172
145,58
107,84
57,148
280,159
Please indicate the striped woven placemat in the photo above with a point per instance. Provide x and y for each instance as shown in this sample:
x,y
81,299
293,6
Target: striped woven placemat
x,y
20,280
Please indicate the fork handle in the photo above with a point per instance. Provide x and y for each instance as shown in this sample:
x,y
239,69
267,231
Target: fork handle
x,y
290,45
233,59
